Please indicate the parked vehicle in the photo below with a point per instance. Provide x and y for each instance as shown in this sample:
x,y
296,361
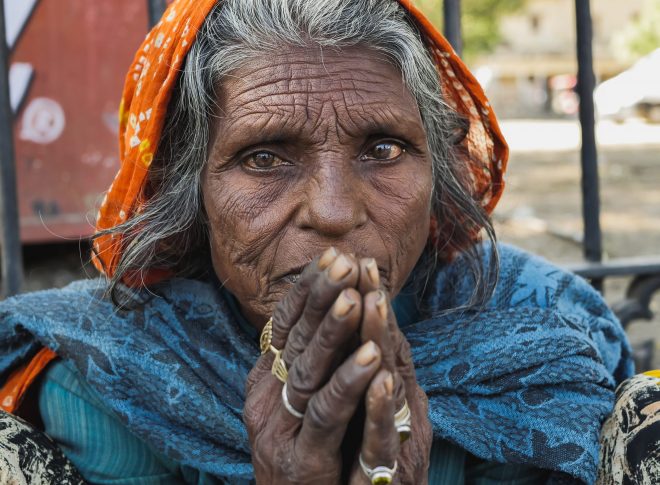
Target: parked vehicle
x,y
66,71
633,93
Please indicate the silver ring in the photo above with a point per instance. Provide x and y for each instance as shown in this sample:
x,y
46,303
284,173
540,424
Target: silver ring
x,y
288,406
403,422
379,475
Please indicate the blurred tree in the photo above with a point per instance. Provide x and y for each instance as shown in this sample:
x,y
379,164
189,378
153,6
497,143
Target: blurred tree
x,y
642,36
481,19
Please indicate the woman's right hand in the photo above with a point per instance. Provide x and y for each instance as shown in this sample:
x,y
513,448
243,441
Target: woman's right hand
x,y
316,325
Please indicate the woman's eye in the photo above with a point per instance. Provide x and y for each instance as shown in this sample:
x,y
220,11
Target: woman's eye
x,y
384,151
263,160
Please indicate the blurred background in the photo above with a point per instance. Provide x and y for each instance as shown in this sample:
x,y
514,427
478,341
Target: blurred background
x,y
67,60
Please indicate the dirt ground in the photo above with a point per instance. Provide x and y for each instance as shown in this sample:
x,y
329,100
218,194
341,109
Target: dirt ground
x,y
540,211
541,208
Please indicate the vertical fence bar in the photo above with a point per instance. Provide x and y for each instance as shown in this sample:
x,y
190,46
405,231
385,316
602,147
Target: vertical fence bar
x,y
156,9
589,153
452,18
10,242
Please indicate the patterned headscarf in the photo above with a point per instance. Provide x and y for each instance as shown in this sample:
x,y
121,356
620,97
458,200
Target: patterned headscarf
x,y
154,73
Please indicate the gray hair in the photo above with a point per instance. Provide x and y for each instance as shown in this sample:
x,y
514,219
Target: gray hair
x,y
170,232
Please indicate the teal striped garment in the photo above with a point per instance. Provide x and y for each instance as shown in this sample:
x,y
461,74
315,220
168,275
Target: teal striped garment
x,y
105,452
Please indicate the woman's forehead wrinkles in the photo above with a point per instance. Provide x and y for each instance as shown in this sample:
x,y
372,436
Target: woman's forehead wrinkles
x,y
294,87
303,95
306,70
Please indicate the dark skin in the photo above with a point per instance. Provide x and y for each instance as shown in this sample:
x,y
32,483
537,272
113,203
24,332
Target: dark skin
x,y
318,190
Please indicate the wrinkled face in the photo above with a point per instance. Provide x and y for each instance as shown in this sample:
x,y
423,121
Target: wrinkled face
x,y
313,150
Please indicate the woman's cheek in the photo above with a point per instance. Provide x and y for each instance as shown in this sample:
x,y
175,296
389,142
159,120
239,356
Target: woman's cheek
x,y
243,227
403,211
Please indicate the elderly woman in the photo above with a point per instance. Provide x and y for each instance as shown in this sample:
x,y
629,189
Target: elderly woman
x,y
296,291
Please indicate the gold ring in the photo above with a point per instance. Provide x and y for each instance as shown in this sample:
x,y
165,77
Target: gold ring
x,y
403,421
379,475
266,336
279,366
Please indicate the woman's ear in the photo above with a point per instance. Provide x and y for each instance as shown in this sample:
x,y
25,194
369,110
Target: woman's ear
x,y
460,130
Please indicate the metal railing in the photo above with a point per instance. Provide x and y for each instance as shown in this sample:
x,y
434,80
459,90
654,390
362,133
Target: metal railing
x,y
10,240
645,272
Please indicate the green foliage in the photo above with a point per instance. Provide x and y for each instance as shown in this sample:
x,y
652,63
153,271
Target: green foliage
x,y
642,36
480,21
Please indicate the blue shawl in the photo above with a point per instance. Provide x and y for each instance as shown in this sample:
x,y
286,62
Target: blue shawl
x,y
527,379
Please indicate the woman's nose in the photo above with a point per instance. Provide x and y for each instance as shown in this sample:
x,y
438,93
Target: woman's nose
x,y
334,202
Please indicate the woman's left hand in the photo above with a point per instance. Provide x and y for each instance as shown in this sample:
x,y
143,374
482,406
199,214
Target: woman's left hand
x,y
381,444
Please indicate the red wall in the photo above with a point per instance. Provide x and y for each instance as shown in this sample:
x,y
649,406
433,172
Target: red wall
x,y
66,126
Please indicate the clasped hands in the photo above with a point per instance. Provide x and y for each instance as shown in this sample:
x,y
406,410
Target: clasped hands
x,y
342,347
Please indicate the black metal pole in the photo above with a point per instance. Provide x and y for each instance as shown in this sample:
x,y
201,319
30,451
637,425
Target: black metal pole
x,y
589,154
452,17
156,9
10,242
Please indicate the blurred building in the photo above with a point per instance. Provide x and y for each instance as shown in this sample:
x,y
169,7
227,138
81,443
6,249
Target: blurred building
x,y
532,72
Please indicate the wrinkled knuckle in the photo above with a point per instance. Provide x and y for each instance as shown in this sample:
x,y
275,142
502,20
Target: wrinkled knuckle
x,y
300,377
318,412
285,309
281,325
341,386
326,338
295,345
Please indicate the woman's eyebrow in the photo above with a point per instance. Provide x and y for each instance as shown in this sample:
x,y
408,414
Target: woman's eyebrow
x,y
280,125
260,128
385,123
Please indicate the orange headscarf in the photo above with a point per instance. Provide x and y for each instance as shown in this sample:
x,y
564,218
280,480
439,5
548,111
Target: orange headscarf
x,y
154,73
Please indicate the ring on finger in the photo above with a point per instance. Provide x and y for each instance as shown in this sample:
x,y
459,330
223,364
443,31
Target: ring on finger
x,y
278,368
379,475
403,421
266,336
288,406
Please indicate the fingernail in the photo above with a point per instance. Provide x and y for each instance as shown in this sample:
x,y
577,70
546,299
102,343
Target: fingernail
x,y
343,305
328,256
389,384
367,354
372,272
340,268
381,305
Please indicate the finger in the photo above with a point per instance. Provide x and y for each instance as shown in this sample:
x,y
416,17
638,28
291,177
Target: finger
x,y
380,442
290,309
312,369
376,327
288,312
330,410
341,274
369,277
